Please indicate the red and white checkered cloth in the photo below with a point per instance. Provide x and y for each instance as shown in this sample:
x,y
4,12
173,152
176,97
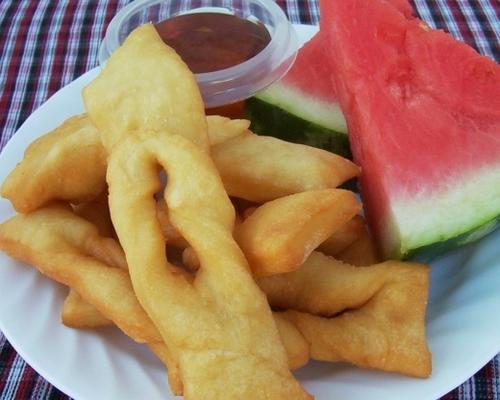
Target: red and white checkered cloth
x,y
46,44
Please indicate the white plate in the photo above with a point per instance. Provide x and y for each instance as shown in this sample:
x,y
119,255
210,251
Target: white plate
x,y
463,326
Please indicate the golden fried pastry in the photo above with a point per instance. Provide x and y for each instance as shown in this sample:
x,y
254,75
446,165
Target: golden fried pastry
x,y
70,250
55,240
97,213
68,163
145,85
221,129
326,286
261,168
150,114
343,237
279,235
362,252
77,313
297,348
373,317
236,338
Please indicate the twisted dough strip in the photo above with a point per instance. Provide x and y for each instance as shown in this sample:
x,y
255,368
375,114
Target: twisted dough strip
x,y
77,313
370,316
146,85
279,235
69,250
68,163
235,340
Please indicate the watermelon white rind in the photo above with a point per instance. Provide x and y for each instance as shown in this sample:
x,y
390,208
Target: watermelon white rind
x,y
431,223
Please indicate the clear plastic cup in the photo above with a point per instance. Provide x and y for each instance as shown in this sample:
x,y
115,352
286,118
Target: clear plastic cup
x,y
228,85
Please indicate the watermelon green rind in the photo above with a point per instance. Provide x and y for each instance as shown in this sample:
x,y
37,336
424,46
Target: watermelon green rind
x,y
428,252
268,119
304,106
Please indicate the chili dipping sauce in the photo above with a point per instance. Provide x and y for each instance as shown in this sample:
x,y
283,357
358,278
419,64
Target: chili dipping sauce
x,y
209,41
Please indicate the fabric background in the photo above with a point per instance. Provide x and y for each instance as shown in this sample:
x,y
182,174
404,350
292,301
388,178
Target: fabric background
x,y
46,44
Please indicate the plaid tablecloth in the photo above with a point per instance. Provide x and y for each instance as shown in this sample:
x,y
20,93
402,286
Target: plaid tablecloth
x,y
46,44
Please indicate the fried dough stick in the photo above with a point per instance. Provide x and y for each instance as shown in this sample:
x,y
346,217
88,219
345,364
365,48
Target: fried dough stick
x,y
279,235
145,85
325,286
221,128
97,213
363,252
76,146
77,313
69,250
172,237
345,236
236,352
144,123
261,168
374,316
56,241
68,163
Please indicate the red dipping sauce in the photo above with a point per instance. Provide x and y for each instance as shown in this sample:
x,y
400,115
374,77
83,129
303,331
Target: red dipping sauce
x,y
209,41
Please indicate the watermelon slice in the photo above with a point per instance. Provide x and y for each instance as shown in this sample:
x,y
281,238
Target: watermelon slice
x,y
302,107
423,112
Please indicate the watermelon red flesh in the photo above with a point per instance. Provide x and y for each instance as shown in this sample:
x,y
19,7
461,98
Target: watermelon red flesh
x,y
310,72
423,112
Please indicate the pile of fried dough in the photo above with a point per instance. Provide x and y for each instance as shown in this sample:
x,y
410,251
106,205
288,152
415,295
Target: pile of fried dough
x,y
233,256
